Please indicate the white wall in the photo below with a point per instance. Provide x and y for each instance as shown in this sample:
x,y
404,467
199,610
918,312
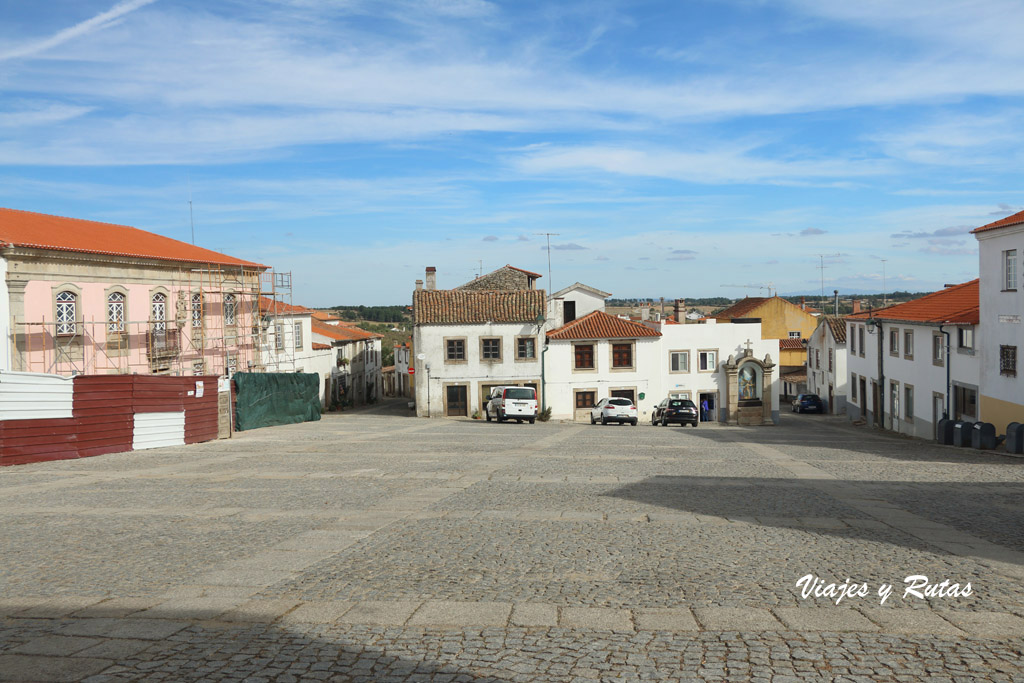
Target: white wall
x,y
430,340
819,379
729,339
5,319
562,379
1002,314
32,395
586,302
926,378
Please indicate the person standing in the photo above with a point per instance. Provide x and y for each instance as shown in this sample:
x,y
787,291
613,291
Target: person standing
x,y
704,410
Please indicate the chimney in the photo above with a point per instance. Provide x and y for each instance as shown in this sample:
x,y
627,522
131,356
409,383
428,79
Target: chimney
x,y
803,303
856,306
419,284
645,313
679,309
835,293
431,277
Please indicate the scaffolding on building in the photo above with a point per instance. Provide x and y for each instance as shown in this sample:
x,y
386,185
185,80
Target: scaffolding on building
x,y
207,319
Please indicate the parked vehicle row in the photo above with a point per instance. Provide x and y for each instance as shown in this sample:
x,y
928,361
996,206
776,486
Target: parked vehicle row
x,y
680,410
615,409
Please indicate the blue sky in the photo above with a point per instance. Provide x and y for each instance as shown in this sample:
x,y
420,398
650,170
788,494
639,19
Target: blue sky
x,y
674,146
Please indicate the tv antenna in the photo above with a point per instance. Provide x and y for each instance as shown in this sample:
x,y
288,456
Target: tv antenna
x,y
549,235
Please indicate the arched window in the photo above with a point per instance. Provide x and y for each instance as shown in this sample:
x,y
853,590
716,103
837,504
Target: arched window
x,y
67,309
197,309
159,312
230,304
115,312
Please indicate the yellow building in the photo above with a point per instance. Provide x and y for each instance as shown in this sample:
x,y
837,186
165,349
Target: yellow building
x,y
780,319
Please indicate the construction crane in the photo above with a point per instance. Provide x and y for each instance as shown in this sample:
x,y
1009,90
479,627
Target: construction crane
x,y
764,285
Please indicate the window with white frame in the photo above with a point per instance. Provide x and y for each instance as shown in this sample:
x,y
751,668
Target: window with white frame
x,y
1010,269
860,342
115,312
894,342
794,335
908,344
679,361
298,335
853,339
197,309
707,361
278,336
67,310
937,349
965,338
230,309
158,312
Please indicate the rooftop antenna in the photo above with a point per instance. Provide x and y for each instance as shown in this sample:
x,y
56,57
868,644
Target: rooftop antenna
x,y
191,220
549,235
821,266
884,301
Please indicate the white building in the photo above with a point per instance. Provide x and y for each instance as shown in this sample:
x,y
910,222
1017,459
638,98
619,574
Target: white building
x,y
356,368
575,301
912,363
1001,320
290,345
600,356
694,357
826,364
474,339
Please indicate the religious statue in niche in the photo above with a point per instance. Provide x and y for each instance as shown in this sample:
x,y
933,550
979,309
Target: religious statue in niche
x,y
748,383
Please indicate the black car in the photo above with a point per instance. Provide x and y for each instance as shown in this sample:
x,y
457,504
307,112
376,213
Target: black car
x,y
681,410
808,402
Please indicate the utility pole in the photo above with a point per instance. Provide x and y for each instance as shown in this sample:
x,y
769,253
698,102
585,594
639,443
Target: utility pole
x,y
549,236
191,220
821,266
884,304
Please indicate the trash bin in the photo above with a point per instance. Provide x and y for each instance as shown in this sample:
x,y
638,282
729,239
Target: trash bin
x,y
962,433
983,436
944,432
1015,438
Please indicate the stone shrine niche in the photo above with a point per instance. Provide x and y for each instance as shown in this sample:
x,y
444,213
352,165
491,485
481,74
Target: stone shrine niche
x,y
748,401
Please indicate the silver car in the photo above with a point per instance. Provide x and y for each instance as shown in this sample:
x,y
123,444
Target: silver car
x,y
614,409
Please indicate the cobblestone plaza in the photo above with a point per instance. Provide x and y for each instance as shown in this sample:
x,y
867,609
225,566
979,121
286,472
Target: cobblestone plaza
x,y
378,547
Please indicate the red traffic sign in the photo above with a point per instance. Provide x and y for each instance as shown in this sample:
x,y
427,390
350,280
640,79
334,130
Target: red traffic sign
x,y
412,371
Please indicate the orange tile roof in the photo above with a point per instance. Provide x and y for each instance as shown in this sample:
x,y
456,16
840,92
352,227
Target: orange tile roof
x,y
317,346
457,306
741,308
1002,223
343,333
42,231
791,343
838,328
956,305
281,308
600,325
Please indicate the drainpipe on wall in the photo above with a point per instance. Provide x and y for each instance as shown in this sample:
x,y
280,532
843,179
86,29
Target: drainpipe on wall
x,y
949,361
543,387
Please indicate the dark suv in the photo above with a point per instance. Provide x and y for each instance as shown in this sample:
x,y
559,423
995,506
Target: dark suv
x,y
681,410
805,402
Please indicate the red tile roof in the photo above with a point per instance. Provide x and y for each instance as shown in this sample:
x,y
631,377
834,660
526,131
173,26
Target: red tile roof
x,y
455,306
317,346
956,305
795,377
1002,223
838,328
42,231
741,308
281,308
600,325
343,333
791,343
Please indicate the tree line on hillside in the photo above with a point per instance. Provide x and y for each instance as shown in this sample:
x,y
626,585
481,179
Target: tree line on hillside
x,y
383,314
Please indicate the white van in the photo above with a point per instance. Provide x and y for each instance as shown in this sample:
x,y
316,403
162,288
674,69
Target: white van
x,y
512,403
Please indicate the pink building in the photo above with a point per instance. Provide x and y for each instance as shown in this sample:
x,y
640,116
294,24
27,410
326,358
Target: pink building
x,y
83,297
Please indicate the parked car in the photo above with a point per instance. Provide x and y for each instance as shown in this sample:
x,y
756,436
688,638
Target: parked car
x,y
681,410
614,410
805,402
512,403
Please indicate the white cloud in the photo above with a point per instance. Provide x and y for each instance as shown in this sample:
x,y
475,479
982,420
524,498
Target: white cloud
x,y
97,23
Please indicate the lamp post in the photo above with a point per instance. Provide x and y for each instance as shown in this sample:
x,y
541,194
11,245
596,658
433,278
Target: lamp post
x,y
874,325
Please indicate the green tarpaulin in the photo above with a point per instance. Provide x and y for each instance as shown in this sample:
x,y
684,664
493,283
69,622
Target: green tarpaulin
x,y
265,399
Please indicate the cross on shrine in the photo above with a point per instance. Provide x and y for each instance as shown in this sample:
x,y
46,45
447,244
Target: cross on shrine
x,y
749,344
